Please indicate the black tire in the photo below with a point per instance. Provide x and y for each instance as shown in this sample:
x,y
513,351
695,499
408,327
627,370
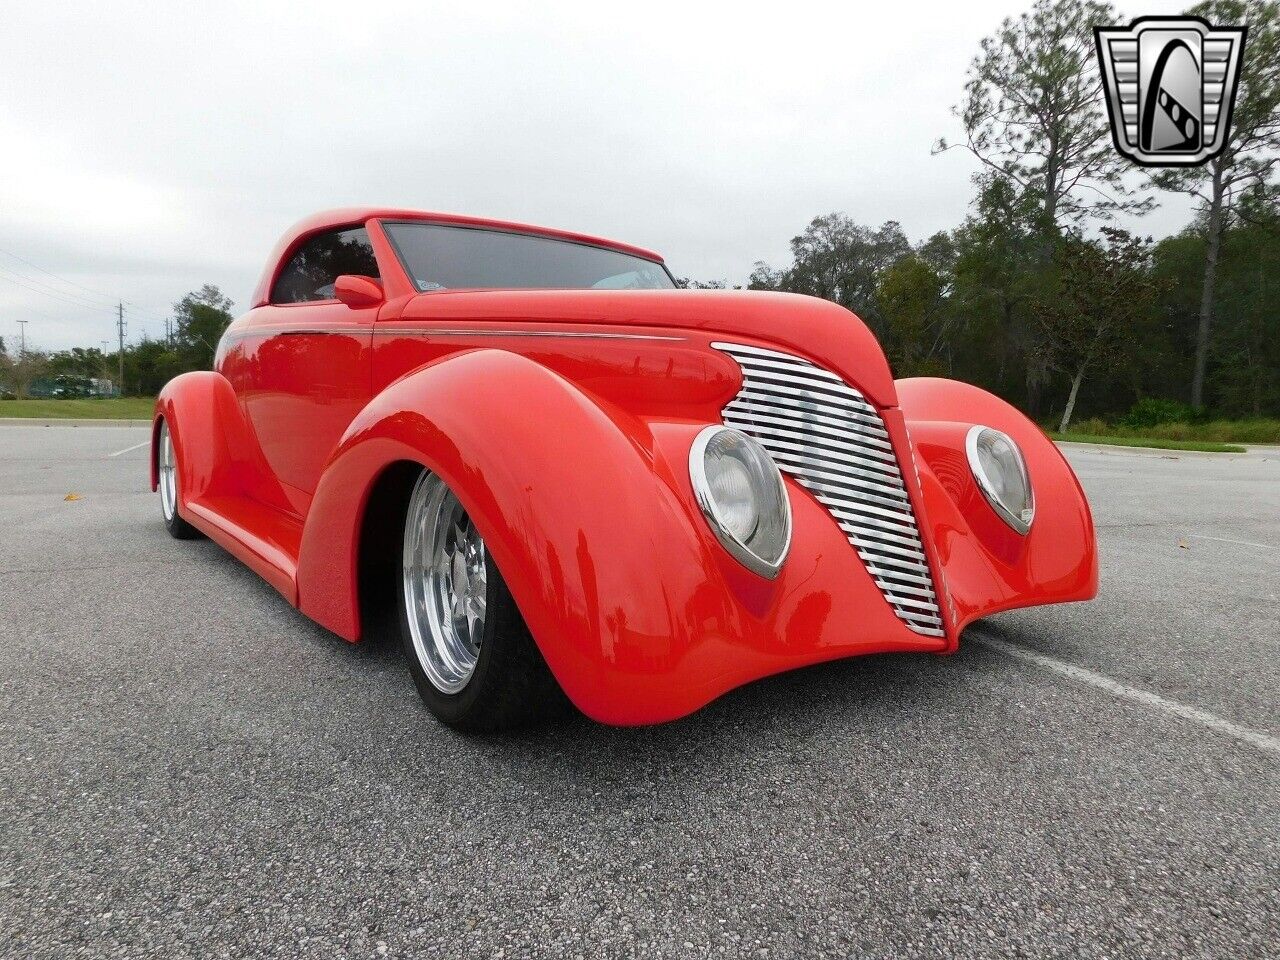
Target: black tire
x,y
511,685
178,528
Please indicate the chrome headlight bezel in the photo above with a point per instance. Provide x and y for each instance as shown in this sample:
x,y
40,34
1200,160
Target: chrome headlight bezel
x,y
770,479
1019,519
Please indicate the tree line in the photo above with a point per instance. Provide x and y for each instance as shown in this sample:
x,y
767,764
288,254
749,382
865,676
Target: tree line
x,y
1038,295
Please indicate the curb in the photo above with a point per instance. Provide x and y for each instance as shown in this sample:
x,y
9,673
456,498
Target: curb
x,y
59,422
1161,451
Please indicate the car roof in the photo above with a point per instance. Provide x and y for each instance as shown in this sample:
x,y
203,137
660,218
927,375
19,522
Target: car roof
x,y
352,216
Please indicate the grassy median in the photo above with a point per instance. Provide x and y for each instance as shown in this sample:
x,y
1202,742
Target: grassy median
x,y
85,408
1214,436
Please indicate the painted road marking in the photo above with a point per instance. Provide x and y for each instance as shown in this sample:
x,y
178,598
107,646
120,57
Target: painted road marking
x,y
136,446
1243,543
1146,698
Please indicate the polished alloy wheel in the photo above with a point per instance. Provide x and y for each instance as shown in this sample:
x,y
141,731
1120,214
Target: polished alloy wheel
x,y
168,473
445,585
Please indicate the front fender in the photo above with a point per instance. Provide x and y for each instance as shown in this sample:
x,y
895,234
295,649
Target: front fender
x,y
987,566
563,491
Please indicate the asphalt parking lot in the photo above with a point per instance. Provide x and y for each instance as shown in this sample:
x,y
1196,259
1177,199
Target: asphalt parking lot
x,y
189,768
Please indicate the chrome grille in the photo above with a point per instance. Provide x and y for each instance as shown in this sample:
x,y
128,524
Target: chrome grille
x,y
827,436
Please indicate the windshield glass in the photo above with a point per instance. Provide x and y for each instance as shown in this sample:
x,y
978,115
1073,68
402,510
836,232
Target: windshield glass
x,y
443,258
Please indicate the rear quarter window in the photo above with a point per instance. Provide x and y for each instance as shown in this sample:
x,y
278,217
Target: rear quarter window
x,y
314,266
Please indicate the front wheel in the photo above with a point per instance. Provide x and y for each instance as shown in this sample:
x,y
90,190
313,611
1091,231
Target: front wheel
x,y
472,658
167,468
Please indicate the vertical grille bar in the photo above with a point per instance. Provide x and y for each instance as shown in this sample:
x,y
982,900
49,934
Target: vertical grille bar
x,y
827,436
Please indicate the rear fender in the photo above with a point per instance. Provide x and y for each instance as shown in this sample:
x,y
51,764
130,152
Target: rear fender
x,y
218,454
986,565
200,408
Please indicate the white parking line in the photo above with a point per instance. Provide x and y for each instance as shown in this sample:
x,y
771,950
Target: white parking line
x,y
1243,543
134,447
1146,698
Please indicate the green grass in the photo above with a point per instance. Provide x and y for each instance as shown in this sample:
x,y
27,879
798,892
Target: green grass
x,y
114,408
1258,430
1262,430
1160,443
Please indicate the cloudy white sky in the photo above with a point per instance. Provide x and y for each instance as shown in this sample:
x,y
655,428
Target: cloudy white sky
x,y
146,149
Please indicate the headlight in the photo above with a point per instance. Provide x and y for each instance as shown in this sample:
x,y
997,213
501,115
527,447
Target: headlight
x,y
740,492
1002,476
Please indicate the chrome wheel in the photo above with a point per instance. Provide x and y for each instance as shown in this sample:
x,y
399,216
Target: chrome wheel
x,y
445,584
168,470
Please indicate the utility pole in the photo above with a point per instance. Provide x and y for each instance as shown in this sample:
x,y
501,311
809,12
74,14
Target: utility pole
x,y
22,338
120,331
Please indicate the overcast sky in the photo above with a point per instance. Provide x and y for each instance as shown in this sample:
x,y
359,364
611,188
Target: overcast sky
x,y
146,149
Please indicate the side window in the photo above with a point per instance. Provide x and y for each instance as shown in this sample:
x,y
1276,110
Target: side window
x,y
311,271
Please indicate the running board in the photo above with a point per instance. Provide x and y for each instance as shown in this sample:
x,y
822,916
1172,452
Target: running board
x,y
272,554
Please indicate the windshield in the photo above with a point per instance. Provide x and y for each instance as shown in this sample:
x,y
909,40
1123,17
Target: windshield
x,y
442,258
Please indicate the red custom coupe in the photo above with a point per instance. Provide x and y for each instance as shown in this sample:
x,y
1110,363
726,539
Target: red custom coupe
x,y
570,476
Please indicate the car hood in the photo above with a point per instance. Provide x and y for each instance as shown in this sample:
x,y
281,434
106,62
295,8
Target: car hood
x,y
816,329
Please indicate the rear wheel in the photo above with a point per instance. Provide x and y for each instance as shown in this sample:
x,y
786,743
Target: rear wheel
x,y
167,469
472,658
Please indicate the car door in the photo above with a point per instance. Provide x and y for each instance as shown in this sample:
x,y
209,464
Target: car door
x,y
307,374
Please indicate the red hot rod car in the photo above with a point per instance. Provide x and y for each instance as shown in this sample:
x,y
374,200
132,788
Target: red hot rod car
x,y
567,475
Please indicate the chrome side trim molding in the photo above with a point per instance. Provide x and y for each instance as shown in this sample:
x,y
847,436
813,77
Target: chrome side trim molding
x,y
391,331
832,441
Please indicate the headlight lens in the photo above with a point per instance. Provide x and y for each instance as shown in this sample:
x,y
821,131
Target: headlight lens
x,y
1002,476
740,492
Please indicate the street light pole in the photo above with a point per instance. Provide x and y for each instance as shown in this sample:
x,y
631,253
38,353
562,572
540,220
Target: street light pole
x,y
22,338
120,330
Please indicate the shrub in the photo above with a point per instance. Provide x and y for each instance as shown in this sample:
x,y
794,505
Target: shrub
x,y
1176,430
1094,426
1152,411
